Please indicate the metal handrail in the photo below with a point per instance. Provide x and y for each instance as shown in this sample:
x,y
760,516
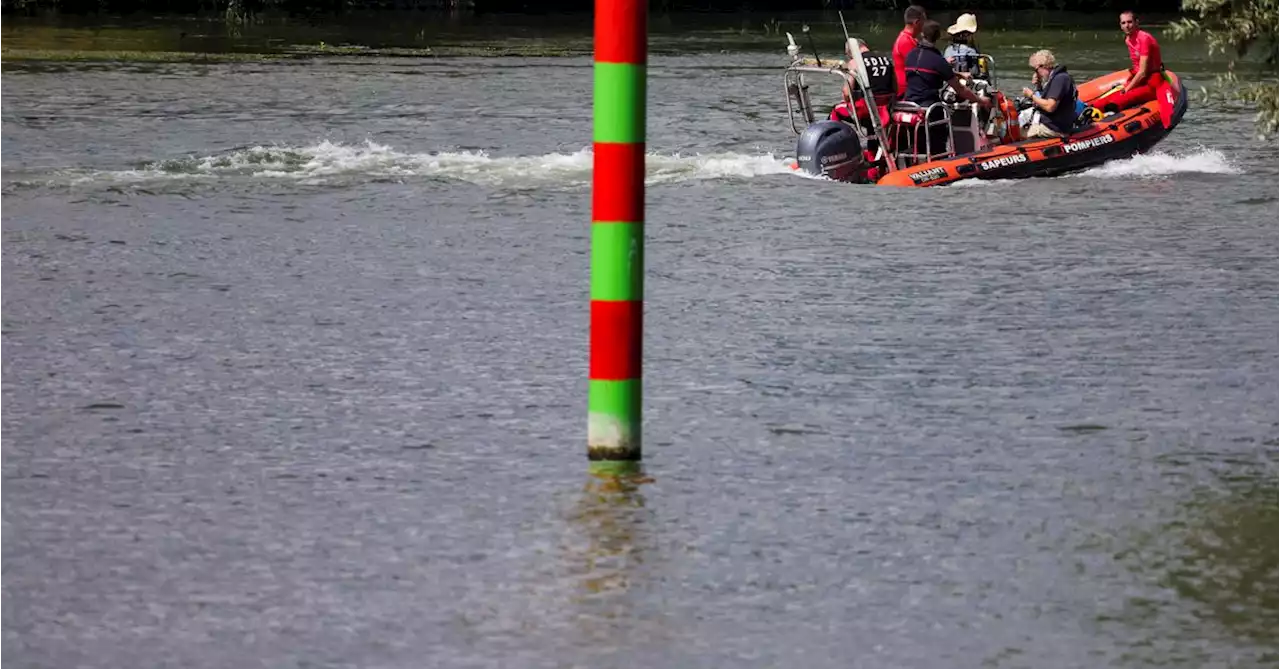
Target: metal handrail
x,y
797,96
914,155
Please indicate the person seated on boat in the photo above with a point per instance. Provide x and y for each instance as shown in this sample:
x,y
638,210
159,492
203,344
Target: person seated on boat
x,y
914,18
883,84
927,73
1146,76
960,53
1057,104
1028,113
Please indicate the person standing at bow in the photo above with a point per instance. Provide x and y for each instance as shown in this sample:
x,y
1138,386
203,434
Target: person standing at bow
x,y
913,17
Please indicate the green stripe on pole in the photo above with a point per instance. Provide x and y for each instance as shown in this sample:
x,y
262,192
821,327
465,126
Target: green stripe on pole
x,y
615,468
619,103
617,261
613,420
620,399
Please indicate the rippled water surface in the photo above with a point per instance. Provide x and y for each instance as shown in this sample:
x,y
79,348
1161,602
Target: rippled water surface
x,y
295,375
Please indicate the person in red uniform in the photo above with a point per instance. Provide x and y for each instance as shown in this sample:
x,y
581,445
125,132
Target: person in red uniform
x,y
1146,77
913,17
880,77
853,108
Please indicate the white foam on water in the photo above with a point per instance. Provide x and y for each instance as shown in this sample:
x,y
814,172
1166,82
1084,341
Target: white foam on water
x,y
328,161
1203,161
667,168
1149,165
975,183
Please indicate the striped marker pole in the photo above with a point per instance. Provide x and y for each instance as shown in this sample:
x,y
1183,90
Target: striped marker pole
x,y
617,235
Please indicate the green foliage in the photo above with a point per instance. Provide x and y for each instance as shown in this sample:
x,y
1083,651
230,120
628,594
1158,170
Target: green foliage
x,y
1237,28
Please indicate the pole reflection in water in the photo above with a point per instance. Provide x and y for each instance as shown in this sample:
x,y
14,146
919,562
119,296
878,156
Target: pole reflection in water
x,y
610,556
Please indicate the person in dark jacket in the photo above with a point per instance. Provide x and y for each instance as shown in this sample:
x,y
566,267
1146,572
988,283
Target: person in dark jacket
x,y
927,73
1057,104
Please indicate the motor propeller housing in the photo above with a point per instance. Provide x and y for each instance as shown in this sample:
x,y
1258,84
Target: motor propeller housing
x,y
831,149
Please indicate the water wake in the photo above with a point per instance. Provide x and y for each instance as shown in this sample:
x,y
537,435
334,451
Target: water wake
x,y
1204,161
1149,165
329,162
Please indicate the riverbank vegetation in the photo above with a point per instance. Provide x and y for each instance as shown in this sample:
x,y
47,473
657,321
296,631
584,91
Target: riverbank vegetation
x,y
1239,28
1242,29
236,8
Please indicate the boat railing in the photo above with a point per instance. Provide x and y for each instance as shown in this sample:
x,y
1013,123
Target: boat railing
x,y
968,133
935,115
799,105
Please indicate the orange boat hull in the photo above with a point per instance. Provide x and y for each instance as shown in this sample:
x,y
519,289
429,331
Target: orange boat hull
x,y
1118,135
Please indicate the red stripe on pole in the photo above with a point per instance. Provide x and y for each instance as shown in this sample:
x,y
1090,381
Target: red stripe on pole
x,y
615,339
618,193
621,29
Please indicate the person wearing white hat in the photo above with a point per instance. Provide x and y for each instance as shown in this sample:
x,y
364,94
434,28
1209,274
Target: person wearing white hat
x,y
967,23
961,54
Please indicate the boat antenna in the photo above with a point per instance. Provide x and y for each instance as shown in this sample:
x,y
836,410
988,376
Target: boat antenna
x,y
805,29
842,25
793,49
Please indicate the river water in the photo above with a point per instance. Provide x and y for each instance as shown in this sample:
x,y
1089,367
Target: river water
x,y
295,376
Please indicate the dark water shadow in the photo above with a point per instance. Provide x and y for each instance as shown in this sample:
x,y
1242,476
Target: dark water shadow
x,y
1215,564
1227,559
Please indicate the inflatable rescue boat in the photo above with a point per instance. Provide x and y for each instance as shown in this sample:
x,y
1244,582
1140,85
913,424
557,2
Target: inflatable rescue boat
x,y
901,145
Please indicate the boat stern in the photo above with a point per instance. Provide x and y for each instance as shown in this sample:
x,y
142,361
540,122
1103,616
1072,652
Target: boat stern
x,y
832,150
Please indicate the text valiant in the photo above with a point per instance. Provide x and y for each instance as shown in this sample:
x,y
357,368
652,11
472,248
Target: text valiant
x,y
929,174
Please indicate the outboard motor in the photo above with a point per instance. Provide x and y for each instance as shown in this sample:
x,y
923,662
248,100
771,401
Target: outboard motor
x,y
833,150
